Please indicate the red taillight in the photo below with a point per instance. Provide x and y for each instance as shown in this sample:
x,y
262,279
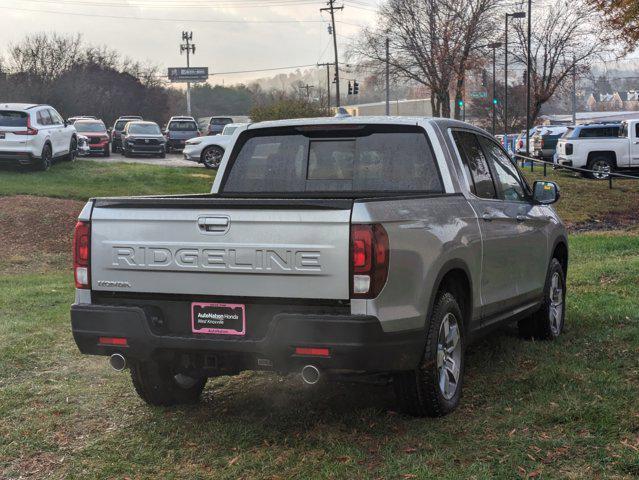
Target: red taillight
x,y
29,131
116,341
369,260
82,254
312,351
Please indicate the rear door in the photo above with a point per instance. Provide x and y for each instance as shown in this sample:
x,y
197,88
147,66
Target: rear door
x,y
633,161
498,276
522,221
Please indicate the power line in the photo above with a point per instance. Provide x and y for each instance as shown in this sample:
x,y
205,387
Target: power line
x,y
155,19
223,4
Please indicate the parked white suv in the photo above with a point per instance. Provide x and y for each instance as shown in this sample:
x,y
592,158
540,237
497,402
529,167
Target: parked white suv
x,y
35,135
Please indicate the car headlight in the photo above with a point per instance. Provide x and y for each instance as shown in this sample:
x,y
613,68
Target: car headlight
x,y
194,141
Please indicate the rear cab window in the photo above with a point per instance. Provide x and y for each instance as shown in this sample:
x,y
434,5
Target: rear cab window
x,y
182,126
351,161
10,118
221,121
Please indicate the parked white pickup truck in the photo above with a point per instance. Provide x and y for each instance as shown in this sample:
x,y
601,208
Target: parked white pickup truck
x,y
603,148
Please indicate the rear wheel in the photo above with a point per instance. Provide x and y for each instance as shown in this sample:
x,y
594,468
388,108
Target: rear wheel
x,y
157,384
548,322
434,388
212,156
601,168
45,159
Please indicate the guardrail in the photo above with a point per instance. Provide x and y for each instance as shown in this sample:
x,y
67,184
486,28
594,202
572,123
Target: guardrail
x,y
532,161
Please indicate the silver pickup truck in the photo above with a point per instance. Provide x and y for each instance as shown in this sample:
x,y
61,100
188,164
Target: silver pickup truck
x,y
327,246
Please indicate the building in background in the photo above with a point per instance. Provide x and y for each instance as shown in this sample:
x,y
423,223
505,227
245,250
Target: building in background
x,y
412,108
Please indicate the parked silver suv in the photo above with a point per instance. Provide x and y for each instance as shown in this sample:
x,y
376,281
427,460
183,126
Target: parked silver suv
x,y
352,245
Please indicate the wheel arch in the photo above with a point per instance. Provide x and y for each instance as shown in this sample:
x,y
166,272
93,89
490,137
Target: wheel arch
x,y
560,252
609,154
454,276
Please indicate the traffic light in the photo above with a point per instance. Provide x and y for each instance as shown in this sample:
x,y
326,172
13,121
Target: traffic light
x,y
494,101
330,30
350,88
355,87
334,77
460,103
484,78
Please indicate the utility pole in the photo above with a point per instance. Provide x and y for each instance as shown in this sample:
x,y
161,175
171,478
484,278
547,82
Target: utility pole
x,y
189,48
514,15
331,8
574,91
494,46
528,67
387,76
328,85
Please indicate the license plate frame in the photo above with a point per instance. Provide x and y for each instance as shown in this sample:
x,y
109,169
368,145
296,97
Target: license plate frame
x,y
212,318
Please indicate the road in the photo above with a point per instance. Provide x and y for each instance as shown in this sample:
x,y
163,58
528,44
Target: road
x,y
171,160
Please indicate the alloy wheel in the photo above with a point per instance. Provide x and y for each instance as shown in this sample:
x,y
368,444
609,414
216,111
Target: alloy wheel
x,y
212,157
449,356
601,169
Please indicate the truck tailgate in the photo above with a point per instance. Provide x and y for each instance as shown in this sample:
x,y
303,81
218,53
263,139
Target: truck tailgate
x,y
263,248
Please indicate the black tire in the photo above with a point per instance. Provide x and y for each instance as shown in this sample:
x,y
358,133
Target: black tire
x,y
163,154
604,165
73,150
418,391
548,322
125,153
107,151
212,156
156,384
46,159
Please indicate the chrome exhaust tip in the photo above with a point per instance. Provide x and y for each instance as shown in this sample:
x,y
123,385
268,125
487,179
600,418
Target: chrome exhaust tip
x,y
310,374
117,362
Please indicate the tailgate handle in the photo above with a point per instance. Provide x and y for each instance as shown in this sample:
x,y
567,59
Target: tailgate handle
x,y
214,224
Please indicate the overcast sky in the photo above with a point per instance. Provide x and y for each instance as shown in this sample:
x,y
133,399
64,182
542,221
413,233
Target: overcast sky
x,y
251,43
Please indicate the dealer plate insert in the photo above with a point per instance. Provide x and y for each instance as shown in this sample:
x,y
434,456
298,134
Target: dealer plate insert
x,y
218,318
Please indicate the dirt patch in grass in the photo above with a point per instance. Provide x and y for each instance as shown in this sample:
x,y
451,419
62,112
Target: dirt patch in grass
x,y
627,220
36,232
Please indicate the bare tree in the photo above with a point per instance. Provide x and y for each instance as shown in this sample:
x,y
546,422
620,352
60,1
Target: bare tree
x,y
43,55
565,36
432,42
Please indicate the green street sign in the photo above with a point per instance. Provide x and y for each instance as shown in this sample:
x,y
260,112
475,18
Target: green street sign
x,y
478,95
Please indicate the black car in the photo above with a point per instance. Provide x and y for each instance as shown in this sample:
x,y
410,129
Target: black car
x,y
118,128
143,138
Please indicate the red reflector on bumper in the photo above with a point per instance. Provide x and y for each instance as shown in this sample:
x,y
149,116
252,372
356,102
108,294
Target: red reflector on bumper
x,y
317,352
120,342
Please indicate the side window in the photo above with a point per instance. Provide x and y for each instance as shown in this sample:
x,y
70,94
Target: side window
x,y
637,129
474,160
55,118
509,182
43,117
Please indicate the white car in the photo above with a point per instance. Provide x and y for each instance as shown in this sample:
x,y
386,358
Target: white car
x,y
35,135
209,150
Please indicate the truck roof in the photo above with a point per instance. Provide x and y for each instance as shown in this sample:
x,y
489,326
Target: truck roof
x,y
340,121
17,106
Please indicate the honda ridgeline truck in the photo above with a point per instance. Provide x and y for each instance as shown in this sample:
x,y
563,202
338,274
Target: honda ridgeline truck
x,y
333,245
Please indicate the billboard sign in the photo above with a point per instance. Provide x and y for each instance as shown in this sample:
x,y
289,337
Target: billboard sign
x,y
188,74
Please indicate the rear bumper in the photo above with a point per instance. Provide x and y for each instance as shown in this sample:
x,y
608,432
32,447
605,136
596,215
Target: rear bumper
x,y
10,157
355,343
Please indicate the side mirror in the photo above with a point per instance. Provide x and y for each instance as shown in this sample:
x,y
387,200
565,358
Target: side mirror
x,y
545,193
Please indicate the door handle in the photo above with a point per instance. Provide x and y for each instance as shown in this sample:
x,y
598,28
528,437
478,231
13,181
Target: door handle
x,y
521,218
487,217
214,224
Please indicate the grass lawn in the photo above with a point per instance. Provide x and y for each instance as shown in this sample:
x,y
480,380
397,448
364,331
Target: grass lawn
x,y
81,180
568,409
583,199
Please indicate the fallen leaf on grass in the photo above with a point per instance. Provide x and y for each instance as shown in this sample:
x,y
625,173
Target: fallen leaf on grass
x,y
233,461
534,474
410,450
344,459
409,475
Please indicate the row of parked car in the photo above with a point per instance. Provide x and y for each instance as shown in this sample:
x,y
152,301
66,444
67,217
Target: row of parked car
x,y
37,135
600,148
